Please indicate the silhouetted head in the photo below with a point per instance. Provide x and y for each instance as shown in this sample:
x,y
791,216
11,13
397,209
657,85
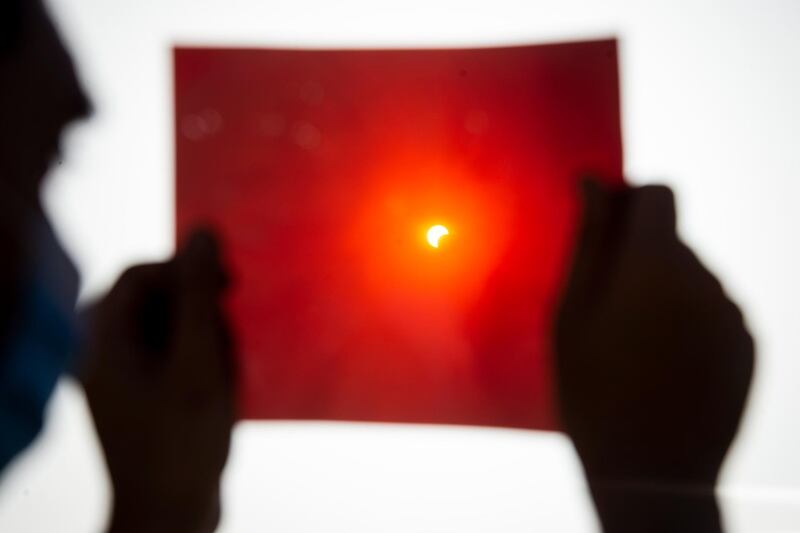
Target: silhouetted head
x,y
39,95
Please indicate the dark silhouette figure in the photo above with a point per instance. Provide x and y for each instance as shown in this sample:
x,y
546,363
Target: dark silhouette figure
x,y
39,95
156,363
654,363
160,386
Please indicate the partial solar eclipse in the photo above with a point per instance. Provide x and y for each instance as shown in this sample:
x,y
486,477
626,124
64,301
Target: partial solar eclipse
x,y
435,233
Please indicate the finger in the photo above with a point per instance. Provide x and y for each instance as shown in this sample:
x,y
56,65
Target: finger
x,y
652,214
200,352
597,205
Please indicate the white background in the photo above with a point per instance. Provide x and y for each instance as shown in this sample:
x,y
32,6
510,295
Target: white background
x,y
710,107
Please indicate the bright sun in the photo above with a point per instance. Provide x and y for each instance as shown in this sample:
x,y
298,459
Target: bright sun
x,y
435,233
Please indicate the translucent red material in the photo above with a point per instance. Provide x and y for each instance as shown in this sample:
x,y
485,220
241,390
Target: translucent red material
x,y
322,172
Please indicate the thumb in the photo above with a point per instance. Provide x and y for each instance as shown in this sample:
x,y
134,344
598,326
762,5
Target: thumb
x,y
199,342
602,230
590,239
596,197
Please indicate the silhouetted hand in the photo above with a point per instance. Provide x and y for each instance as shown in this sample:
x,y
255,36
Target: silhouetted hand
x,y
159,382
653,364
